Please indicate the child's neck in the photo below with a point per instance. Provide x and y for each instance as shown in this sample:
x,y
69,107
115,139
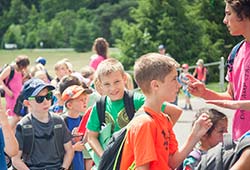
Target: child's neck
x,y
41,117
153,104
73,114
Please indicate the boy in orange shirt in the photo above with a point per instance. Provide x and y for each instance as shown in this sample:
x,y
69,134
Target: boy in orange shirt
x,y
151,142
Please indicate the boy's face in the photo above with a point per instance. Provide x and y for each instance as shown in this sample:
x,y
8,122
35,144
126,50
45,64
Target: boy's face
x,y
170,87
62,71
78,104
217,134
40,108
234,25
113,85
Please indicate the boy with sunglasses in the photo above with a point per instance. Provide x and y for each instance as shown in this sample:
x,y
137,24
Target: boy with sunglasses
x,y
46,151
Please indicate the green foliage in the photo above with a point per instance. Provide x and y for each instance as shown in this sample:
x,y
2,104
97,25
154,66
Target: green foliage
x,y
82,39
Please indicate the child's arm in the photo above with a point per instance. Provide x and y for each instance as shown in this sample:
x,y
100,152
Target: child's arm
x,y
201,126
94,142
243,162
173,111
11,144
231,104
18,163
68,156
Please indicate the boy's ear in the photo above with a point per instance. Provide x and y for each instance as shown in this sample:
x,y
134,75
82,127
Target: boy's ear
x,y
125,77
154,84
26,103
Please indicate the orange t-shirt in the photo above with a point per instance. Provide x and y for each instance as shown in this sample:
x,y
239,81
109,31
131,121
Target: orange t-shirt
x,y
150,139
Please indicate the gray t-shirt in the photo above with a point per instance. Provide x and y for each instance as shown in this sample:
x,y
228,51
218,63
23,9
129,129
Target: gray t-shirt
x,y
44,154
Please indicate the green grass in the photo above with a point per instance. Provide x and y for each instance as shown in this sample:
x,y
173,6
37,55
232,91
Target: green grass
x,y
78,60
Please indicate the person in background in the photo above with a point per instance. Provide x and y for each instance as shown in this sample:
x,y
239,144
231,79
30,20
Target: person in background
x,y
200,71
237,20
213,136
8,142
162,50
183,81
43,61
100,47
13,89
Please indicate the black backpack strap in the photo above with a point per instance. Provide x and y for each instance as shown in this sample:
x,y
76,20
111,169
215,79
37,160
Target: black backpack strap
x,y
101,107
12,72
232,56
28,136
129,104
58,131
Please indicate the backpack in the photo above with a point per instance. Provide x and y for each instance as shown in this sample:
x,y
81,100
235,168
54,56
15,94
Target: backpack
x,y
6,82
128,103
232,56
224,155
111,158
28,135
20,109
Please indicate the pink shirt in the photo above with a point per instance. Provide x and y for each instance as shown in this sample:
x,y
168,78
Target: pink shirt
x,y
95,61
15,86
240,78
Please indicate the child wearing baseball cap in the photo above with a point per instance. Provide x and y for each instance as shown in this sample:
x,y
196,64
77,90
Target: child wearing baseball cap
x,y
75,99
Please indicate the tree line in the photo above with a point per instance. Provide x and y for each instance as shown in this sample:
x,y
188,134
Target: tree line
x,y
190,29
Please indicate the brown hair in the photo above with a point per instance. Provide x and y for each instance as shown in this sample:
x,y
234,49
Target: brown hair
x,y
214,115
22,61
152,66
241,7
101,46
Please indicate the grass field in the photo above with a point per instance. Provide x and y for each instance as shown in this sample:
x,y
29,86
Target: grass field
x,y
51,55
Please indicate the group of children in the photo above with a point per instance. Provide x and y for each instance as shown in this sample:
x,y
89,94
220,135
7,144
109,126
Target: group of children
x,y
159,88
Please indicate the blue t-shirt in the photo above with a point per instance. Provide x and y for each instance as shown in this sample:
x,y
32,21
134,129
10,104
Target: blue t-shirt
x,y
3,165
78,161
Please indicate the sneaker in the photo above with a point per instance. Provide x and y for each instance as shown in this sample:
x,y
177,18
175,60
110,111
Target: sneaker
x,y
190,107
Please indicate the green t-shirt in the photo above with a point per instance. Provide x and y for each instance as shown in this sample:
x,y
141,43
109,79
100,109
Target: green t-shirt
x,y
115,113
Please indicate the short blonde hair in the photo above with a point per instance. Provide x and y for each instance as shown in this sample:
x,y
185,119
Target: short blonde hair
x,y
152,66
109,66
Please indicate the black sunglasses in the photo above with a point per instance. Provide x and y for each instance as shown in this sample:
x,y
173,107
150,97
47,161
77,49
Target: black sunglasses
x,y
40,99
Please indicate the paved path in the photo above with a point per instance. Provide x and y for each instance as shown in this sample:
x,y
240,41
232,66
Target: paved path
x,y
183,126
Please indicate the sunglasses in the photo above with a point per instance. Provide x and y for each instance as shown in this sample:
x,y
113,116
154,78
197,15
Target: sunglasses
x,y
40,99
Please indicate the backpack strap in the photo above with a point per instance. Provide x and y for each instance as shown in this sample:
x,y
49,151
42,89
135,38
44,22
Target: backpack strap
x,y
128,103
12,72
232,56
243,143
58,131
101,107
128,99
28,136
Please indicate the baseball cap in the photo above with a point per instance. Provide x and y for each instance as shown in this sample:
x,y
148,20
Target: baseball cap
x,y
160,47
33,86
41,60
74,91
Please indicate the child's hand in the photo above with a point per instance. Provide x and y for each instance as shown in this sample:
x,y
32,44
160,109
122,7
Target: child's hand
x,y
201,125
77,135
78,146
